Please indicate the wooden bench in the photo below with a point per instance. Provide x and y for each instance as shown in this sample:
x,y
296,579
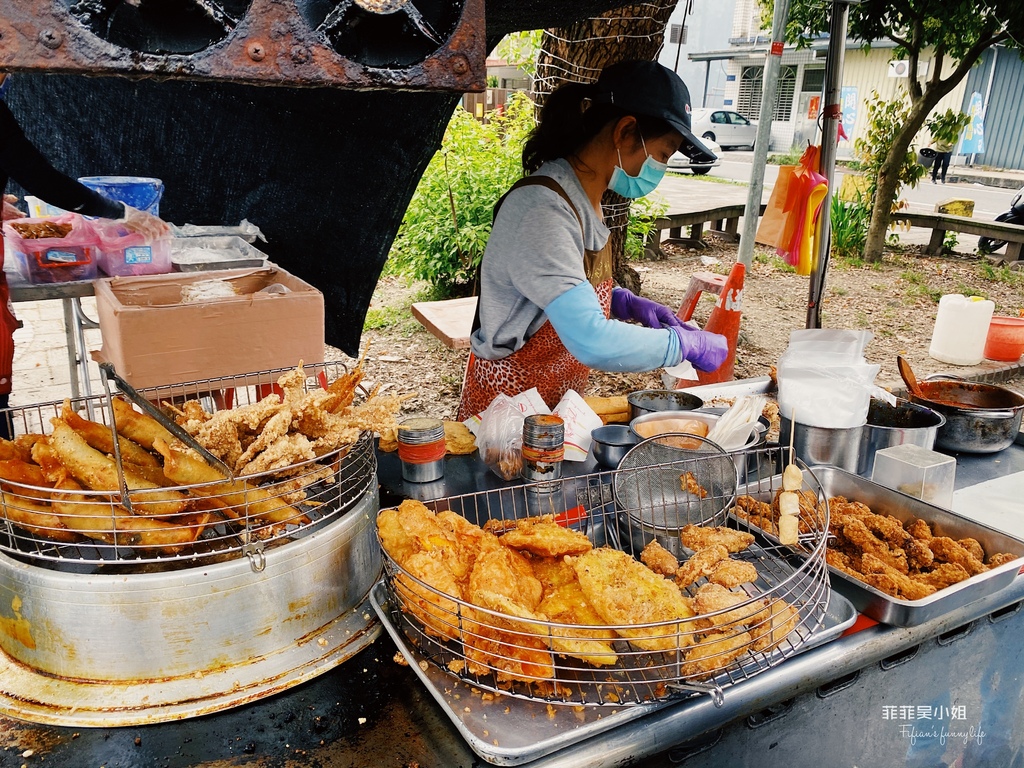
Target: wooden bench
x,y
725,219
451,321
941,223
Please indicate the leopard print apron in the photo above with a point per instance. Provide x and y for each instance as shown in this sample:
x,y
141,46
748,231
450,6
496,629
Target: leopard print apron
x,y
543,361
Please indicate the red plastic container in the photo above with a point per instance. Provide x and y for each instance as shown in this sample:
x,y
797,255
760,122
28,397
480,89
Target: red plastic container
x,y
54,259
1005,340
122,252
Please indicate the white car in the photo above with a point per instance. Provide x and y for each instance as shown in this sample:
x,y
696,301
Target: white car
x,y
728,128
680,162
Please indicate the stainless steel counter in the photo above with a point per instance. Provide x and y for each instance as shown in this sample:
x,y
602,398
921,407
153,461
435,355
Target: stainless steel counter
x,y
879,696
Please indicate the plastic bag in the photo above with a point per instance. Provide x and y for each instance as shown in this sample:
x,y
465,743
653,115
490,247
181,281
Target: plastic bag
x,y
499,437
790,220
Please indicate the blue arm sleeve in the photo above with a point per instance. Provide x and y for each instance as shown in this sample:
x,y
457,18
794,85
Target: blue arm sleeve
x,y
608,345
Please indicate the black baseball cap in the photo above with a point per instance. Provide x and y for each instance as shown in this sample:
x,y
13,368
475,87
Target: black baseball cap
x,y
648,88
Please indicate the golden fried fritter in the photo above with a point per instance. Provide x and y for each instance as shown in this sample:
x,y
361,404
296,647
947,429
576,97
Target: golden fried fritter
x,y
731,573
771,626
973,546
698,537
919,555
714,652
700,564
439,614
688,483
546,539
625,592
659,559
1000,558
862,541
919,529
711,598
505,571
757,513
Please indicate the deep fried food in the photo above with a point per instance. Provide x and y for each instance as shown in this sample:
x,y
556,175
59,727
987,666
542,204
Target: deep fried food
x,y
438,613
862,541
659,559
625,592
884,577
36,517
546,539
1000,558
504,571
944,575
973,547
509,656
757,513
140,427
712,598
714,652
458,440
698,537
919,555
702,563
948,551
731,573
919,529
771,626
688,483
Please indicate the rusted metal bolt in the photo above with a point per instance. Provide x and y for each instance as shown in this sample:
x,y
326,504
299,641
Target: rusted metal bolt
x,y
459,65
256,51
300,55
51,39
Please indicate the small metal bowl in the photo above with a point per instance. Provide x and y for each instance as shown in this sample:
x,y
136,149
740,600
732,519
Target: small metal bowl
x,y
611,442
656,400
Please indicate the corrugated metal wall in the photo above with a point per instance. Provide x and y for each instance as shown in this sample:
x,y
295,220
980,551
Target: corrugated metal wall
x,y
1004,133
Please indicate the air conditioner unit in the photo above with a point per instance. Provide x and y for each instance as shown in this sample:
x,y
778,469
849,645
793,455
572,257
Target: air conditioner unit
x,y
899,69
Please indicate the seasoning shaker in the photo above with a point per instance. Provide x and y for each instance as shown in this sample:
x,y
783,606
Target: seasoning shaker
x,y
421,449
543,447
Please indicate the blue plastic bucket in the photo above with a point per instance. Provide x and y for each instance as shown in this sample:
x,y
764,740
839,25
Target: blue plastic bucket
x,y
137,191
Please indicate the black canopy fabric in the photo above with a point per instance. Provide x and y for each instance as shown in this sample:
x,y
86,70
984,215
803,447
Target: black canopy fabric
x,y
325,173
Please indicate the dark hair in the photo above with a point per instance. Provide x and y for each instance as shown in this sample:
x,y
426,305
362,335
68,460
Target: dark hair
x,y
571,117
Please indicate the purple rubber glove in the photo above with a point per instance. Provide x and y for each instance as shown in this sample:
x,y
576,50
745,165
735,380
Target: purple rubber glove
x,y
628,306
707,351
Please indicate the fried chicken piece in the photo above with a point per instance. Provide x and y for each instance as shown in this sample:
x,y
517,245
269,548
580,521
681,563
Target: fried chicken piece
x,y
856,535
698,537
771,626
840,505
625,592
884,577
945,575
712,598
659,559
887,528
715,652
973,546
919,555
506,572
288,449
700,564
948,551
843,562
688,483
547,539
919,529
757,513
731,573
1000,558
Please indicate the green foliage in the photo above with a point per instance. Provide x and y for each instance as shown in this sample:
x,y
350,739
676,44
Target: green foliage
x,y
642,213
383,318
786,158
947,126
520,49
950,241
849,228
886,120
1000,274
478,162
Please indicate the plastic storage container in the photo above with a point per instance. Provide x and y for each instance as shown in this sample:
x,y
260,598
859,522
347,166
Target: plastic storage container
x,y
918,472
961,327
53,259
140,192
122,252
40,209
1005,340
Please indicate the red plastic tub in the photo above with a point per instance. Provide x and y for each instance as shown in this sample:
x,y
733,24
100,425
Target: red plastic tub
x,y
1005,340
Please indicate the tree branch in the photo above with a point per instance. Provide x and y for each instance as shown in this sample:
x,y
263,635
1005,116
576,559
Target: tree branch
x,y
969,58
898,40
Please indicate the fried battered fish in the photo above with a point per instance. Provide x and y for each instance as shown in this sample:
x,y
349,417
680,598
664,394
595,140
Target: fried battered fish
x,y
698,537
712,598
731,573
659,559
700,564
772,625
714,652
625,592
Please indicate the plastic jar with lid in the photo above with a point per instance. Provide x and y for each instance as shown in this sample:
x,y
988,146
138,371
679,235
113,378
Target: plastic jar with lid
x,y
421,449
543,447
961,327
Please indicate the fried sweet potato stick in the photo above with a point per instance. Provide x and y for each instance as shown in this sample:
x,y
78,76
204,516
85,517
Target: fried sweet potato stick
x,y
99,437
113,524
99,473
242,498
140,427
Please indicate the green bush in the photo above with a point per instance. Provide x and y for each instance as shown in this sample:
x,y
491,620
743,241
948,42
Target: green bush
x,y
886,118
477,163
642,213
849,228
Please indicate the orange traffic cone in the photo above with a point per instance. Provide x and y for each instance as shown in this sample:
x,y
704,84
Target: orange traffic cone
x,y
725,317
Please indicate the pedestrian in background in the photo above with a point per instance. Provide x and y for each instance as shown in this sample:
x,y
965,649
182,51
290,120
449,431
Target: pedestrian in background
x,y
943,152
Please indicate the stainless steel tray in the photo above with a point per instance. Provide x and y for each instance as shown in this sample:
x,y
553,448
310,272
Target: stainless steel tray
x,y
908,613
504,730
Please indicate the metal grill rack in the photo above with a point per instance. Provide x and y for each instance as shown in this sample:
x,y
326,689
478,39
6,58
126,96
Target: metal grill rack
x,y
480,646
198,530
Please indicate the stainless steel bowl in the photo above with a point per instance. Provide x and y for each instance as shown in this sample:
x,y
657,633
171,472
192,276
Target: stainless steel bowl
x,y
656,400
611,442
890,425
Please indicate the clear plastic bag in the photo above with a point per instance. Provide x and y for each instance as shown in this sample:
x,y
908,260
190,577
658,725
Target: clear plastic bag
x,y
500,437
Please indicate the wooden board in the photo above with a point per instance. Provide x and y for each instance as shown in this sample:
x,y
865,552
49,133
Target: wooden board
x,y
450,321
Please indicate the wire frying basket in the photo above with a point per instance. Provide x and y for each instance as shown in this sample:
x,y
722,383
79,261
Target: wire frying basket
x,y
176,526
772,604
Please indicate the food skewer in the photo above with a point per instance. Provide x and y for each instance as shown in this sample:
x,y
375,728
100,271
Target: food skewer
x,y
789,499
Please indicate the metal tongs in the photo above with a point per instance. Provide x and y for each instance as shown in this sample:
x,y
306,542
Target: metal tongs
x,y
132,394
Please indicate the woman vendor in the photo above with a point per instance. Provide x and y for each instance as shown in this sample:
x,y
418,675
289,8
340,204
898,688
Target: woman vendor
x,y
548,312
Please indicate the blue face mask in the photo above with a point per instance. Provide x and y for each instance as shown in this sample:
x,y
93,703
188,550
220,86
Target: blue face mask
x,y
641,185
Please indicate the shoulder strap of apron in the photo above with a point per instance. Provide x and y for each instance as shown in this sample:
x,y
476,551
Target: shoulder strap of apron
x,y
528,181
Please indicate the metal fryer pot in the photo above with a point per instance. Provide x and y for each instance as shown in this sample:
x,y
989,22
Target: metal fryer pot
x,y
980,418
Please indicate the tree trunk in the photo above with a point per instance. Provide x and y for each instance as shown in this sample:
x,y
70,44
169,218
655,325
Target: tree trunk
x,y
578,53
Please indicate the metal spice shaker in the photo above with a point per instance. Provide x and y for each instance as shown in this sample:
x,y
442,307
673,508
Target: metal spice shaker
x,y
543,447
421,449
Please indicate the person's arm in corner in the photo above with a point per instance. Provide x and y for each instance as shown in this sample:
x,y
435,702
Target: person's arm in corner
x,y
608,345
26,165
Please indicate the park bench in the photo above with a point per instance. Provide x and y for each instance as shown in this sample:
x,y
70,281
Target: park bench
x,y
725,220
941,223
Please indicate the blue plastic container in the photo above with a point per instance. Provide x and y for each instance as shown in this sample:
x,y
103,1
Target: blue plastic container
x,y
137,191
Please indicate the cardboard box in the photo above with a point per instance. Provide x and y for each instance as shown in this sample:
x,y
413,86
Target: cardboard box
x,y
154,339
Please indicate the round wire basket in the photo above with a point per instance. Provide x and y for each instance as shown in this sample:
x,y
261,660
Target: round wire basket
x,y
162,525
442,597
